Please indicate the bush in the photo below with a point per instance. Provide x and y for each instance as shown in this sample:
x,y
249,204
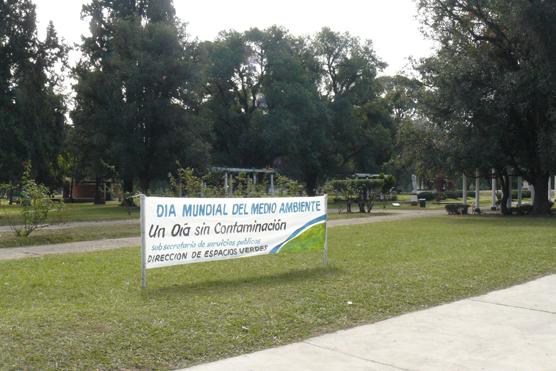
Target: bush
x,y
453,194
440,196
360,191
524,193
429,196
522,210
36,203
457,209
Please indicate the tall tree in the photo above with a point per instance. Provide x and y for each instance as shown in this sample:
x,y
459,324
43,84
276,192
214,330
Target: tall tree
x,y
136,93
493,83
32,107
362,126
263,102
236,66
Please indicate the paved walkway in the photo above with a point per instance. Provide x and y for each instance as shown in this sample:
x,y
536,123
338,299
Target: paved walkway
x,y
108,244
511,329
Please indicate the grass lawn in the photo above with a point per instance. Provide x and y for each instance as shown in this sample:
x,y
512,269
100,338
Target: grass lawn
x,y
52,236
86,311
75,213
89,233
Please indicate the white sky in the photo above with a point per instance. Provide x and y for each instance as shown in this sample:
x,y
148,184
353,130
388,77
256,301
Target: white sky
x,y
390,24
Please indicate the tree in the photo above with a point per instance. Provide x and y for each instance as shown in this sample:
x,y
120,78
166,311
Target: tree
x,y
492,83
137,91
236,66
32,107
264,106
296,123
362,126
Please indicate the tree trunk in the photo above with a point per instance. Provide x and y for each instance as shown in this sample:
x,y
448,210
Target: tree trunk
x,y
311,184
128,185
504,181
144,184
99,199
127,190
11,195
540,204
71,190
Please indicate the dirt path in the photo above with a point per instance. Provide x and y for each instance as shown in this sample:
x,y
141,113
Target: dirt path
x,y
11,253
7,228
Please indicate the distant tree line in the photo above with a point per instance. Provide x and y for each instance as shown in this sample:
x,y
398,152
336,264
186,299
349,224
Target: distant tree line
x,y
146,95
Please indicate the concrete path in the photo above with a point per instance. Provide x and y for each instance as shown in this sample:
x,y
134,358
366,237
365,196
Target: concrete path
x,y
511,329
108,244
393,214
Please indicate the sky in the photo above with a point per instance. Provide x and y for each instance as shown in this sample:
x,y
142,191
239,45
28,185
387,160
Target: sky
x,y
390,24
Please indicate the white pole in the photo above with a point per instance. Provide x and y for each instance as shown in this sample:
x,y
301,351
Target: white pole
x,y
325,259
493,207
271,183
477,191
464,189
509,202
519,190
143,244
226,183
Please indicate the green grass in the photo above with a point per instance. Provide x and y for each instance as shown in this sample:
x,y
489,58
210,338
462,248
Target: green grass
x,y
52,236
89,233
356,215
86,311
74,213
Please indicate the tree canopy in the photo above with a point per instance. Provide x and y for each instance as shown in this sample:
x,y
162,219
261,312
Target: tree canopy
x,y
491,86
32,107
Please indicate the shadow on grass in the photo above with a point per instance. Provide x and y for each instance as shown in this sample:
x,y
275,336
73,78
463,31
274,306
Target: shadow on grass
x,y
242,282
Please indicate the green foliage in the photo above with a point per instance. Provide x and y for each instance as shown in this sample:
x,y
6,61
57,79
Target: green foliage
x,y
525,193
36,204
360,191
452,194
492,84
288,187
137,92
457,209
186,183
32,109
429,196
306,106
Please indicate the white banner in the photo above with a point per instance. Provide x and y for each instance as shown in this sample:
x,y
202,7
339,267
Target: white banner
x,y
190,230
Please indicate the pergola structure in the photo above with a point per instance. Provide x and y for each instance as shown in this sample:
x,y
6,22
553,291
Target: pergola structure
x,y
230,171
494,189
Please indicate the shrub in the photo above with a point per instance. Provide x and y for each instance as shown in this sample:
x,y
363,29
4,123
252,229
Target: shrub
x,y
524,193
36,203
522,210
452,194
429,196
457,209
439,196
360,191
